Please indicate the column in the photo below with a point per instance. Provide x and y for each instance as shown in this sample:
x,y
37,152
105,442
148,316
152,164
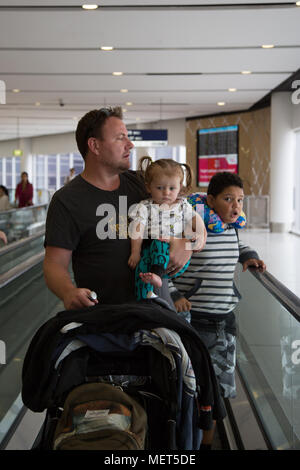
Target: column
x,y
26,158
282,160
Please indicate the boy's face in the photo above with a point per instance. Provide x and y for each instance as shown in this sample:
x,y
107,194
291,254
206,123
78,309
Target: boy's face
x,y
228,204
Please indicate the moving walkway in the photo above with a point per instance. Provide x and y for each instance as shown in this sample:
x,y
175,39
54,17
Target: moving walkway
x,y
265,415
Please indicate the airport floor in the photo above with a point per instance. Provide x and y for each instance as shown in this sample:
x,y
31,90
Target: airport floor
x,y
280,252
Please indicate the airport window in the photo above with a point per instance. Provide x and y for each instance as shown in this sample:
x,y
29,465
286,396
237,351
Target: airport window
x,y
64,164
10,171
50,171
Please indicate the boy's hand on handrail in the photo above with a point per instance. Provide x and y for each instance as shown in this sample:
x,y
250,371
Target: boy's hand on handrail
x,y
254,263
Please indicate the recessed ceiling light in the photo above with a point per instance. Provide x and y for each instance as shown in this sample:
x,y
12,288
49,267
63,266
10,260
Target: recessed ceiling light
x,y
117,73
107,48
124,110
245,72
37,103
88,6
124,90
267,46
298,4
231,89
128,103
16,90
221,103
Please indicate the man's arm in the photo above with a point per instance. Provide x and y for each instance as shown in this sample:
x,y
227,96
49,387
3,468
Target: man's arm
x,y
180,255
58,280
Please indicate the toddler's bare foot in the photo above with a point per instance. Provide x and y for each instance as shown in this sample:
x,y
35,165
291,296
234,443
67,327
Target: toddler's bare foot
x,y
151,278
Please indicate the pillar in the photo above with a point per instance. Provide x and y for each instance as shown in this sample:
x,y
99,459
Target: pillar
x,y
282,160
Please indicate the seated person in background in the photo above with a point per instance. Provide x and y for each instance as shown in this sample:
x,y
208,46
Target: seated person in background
x,y
206,290
4,200
3,237
166,214
87,219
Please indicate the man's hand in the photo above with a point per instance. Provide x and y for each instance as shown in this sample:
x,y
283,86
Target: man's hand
x,y
77,298
183,305
179,256
254,263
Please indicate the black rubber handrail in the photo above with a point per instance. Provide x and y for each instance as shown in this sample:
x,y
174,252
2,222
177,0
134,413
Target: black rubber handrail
x,y
286,298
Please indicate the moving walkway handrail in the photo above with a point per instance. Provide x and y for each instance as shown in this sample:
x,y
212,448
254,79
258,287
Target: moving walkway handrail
x,y
286,297
22,242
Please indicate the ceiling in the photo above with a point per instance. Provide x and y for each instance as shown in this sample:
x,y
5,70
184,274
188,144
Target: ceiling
x,y
178,59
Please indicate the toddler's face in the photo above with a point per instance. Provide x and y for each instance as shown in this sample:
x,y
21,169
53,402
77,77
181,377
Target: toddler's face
x,y
164,189
228,204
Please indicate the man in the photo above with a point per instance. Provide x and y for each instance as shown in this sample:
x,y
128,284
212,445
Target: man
x,y
87,218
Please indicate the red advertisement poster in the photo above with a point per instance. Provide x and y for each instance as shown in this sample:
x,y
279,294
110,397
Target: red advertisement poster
x,y
210,164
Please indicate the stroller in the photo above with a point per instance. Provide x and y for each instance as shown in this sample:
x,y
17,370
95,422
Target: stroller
x,y
141,376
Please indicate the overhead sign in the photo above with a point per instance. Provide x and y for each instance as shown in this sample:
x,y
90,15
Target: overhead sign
x,y
148,137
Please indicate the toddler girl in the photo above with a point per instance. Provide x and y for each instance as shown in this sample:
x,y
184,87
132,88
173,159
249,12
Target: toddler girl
x,y
156,220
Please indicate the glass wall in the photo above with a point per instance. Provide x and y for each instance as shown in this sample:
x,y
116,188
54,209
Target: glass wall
x,y
268,356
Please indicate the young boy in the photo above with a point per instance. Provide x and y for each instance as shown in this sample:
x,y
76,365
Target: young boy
x,y
207,289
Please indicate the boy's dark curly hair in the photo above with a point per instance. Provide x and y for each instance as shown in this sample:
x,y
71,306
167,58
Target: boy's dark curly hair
x,y
223,180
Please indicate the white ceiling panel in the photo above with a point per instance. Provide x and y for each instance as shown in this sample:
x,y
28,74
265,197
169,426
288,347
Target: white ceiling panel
x,y
178,59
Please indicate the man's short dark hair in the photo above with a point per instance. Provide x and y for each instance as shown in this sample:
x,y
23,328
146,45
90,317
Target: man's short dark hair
x,y
223,180
91,124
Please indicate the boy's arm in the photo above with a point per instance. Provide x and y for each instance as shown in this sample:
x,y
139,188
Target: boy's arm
x,y
181,303
249,258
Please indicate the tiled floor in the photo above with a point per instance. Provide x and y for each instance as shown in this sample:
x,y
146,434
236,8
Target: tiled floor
x,y
280,252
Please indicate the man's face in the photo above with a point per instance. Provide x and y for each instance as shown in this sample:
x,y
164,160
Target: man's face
x,y
228,204
114,145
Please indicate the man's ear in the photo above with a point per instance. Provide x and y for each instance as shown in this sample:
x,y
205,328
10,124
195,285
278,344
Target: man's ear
x,y
94,145
210,200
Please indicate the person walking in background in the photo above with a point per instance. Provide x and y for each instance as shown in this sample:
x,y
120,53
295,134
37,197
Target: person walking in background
x,y
71,176
24,191
4,200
